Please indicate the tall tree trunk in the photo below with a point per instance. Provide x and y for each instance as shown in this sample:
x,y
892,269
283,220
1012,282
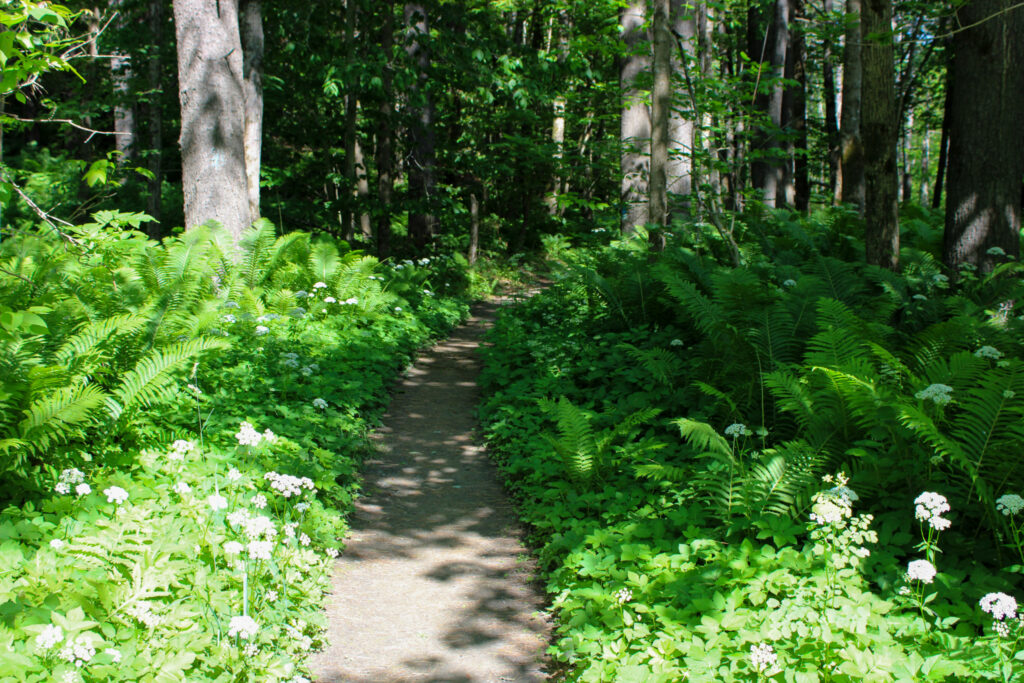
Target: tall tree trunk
x,y
558,138
767,172
683,134
362,192
906,179
661,105
384,150
211,92
879,133
986,139
851,150
831,115
154,116
351,112
942,163
121,74
421,166
635,128
251,32
926,151
474,227
797,185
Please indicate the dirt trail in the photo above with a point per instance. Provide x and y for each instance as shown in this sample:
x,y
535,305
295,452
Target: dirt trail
x,y
434,584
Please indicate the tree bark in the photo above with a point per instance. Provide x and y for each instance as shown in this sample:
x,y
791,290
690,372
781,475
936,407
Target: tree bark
x,y
251,34
210,89
351,111
154,115
684,136
986,139
851,151
474,228
879,132
797,185
635,127
121,74
362,193
767,172
422,222
384,153
661,105
831,115
940,165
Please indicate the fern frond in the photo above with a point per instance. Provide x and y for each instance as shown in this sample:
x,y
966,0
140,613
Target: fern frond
x,y
153,376
51,418
703,436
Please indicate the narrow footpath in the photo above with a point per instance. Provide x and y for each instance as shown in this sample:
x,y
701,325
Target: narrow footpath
x,y
434,584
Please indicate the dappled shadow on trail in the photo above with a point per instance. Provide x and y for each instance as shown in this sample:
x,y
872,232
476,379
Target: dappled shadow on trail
x,y
435,584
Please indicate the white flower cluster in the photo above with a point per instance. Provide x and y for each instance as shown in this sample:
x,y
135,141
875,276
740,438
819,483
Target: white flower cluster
x,y
330,300
352,301
229,318
623,596
180,448
319,403
69,478
115,495
182,488
260,550
234,475
789,283
267,318
50,637
939,393
833,505
332,553
763,657
929,506
1009,504
243,627
295,632
999,605
921,570
143,612
248,436
737,429
259,501
988,352
320,285
287,485
79,651
261,330
217,502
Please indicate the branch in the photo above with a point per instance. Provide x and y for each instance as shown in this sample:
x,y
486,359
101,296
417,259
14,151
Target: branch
x,y
69,122
47,218
13,274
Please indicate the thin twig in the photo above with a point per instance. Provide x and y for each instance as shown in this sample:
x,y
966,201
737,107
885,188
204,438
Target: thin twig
x,y
67,121
47,218
13,274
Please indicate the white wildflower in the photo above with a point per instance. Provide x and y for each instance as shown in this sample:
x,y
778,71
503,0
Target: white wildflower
x,y
306,371
243,627
301,507
271,596
789,283
261,330
623,595
921,570
287,485
999,605
332,553
83,489
234,475
737,429
63,488
929,506
251,650
247,435
51,636
260,550
56,544
194,389
233,548
988,352
304,539
330,300
217,502
676,342
229,318
114,654
762,657
115,495
259,501
1009,504
72,476
182,488
260,525
238,517
939,393
143,612
398,309
319,403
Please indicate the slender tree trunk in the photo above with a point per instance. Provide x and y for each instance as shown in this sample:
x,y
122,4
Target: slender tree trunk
x,y
351,112
474,227
986,139
385,155
906,179
831,115
121,74
661,104
250,25
154,115
683,134
851,150
926,150
635,130
940,170
879,132
797,185
421,166
558,138
768,171
211,92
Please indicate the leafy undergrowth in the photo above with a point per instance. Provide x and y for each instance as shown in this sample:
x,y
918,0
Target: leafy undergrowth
x,y
801,469
180,450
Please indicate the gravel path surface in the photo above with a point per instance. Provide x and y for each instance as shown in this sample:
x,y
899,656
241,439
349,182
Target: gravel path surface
x,y
435,584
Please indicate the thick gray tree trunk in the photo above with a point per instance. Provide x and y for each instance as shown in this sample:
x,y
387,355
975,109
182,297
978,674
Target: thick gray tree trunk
x,y
986,137
121,74
635,128
661,105
154,116
422,222
251,34
211,91
684,137
851,151
879,133
385,134
831,115
768,172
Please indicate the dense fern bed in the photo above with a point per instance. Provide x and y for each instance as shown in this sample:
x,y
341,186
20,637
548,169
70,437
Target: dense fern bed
x,y
180,429
801,469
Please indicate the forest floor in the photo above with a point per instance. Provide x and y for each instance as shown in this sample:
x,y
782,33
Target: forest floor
x,y
435,583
